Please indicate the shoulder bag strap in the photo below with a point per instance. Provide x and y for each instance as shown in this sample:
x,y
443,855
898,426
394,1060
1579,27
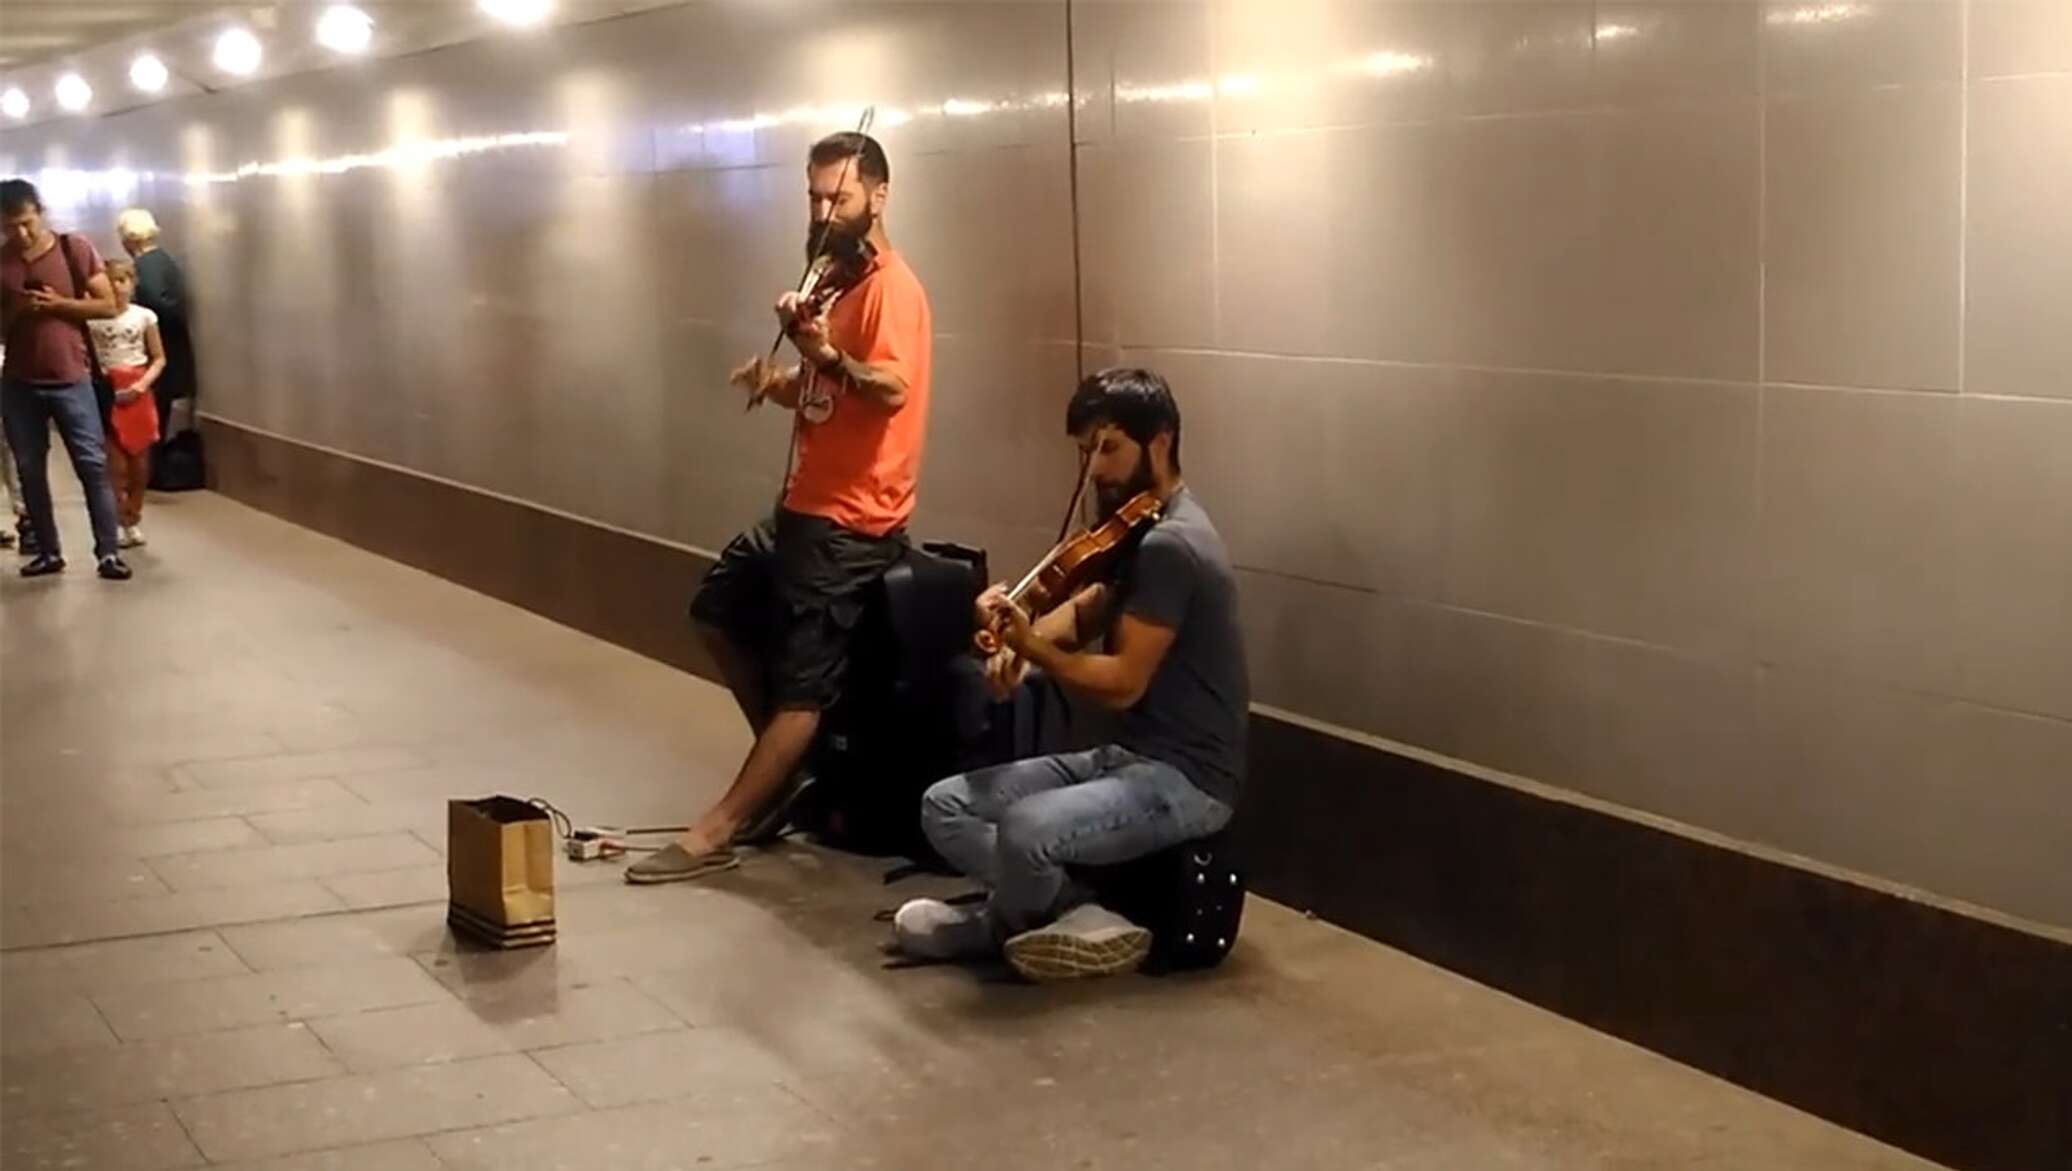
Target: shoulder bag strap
x,y
93,358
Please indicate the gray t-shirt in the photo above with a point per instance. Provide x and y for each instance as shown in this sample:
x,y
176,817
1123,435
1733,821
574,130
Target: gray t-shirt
x,y
1193,714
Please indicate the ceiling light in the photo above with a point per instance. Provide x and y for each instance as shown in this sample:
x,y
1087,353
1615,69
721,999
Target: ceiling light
x,y
15,104
73,93
517,11
237,51
148,73
345,29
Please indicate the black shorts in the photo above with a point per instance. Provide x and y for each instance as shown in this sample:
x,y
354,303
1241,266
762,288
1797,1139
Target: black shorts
x,y
789,591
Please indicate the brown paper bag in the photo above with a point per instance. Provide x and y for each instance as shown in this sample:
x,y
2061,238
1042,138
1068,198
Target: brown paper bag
x,y
500,871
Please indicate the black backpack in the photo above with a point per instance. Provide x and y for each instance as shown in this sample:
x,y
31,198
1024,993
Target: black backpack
x,y
1191,897
181,465
904,715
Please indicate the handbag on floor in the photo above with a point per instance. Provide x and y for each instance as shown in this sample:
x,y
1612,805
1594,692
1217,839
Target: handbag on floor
x,y
181,465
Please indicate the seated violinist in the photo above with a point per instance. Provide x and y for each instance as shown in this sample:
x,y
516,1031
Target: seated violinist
x,y
1157,641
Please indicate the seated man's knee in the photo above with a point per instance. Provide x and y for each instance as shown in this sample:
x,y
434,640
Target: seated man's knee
x,y
1026,833
945,801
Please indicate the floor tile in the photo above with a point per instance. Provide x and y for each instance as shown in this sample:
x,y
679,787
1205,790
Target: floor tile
x,y
361,1108
268,864
33,1022
402,1155
130,1138
415,1035
147,1071
658,1066
121,963
717,1130
201,1006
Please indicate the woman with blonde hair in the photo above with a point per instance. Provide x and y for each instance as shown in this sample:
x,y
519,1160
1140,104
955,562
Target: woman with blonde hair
x,y
161,288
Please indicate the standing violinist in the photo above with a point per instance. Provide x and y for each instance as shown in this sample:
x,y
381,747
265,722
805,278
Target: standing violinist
x,y
1158,643
777,610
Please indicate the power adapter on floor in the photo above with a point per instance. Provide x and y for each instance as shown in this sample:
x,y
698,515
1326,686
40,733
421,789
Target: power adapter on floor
x,y
590,844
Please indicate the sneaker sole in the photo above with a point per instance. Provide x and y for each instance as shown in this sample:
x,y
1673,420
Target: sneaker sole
x,y
1050,956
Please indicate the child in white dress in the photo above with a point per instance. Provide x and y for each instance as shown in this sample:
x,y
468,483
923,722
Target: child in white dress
x,y
132,357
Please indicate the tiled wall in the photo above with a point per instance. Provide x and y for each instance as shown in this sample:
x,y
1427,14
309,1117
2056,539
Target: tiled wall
x,y
541,292
1667,401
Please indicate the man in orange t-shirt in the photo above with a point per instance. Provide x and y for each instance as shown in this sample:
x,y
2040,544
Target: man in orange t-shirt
x,y
777,610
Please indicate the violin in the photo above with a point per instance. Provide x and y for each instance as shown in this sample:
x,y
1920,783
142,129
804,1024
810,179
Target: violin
x,y
1075,563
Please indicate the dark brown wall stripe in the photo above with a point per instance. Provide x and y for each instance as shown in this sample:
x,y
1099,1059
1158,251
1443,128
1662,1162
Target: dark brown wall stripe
x,y
1927,1028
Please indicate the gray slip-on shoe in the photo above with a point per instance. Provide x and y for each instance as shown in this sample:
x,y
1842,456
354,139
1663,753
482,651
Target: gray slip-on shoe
x,y
673,863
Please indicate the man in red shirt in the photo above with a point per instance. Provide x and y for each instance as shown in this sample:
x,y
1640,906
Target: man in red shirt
x,y
777,611
50,287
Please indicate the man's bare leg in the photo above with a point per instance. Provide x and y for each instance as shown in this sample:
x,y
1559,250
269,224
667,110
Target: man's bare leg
x,y
744,677
778,750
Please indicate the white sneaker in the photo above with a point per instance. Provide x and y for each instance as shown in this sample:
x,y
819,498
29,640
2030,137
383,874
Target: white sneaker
x,y
930,929
126,537
136,536
1088,940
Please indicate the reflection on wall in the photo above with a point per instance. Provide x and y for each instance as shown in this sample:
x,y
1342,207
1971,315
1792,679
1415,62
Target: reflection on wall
x,y
1660,400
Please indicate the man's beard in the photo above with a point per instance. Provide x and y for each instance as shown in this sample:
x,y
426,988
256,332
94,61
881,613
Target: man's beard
x,y
1108,500
842,238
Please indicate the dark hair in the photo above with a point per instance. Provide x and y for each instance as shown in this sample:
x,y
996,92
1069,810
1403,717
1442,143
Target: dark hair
x,y
870,157
1136,400
16,194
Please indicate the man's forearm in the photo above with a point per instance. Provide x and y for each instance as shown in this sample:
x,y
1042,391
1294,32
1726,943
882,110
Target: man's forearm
x,y
785,391
81,309
1100,678
1060,627
875,383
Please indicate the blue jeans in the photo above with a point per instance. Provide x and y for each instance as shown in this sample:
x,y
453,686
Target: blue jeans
x,y
28,411
1015,827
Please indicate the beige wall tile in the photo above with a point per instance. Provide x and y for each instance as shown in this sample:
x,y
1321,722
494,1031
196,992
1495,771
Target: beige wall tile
x,y
1816,44
2014,37
1146,236
1622,507
1522,56
1883,781
1676,268
1862,238
2014,520
2018,243
2000,777
1141,69
1649,51
1316,63
1332,471
1340,243
1859,529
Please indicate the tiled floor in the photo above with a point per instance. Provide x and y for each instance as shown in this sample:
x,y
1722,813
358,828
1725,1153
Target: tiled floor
x,y
224,941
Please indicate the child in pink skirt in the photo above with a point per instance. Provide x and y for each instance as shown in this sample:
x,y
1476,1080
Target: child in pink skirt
x,y
132,356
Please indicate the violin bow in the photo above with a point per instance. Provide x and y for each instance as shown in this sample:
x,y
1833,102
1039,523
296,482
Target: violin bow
x,y
813,254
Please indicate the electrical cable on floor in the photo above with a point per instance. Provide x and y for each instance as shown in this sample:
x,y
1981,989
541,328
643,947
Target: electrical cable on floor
x,y
592,843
